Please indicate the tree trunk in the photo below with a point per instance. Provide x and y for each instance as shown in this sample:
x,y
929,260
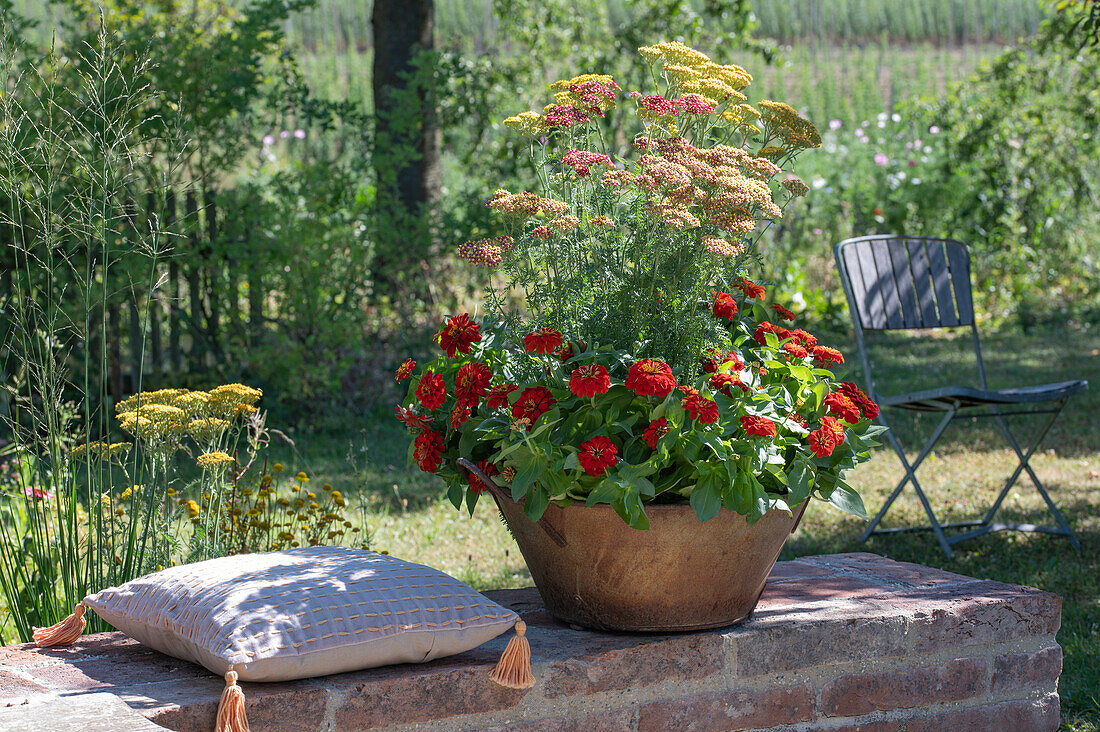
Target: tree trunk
x,y
406,148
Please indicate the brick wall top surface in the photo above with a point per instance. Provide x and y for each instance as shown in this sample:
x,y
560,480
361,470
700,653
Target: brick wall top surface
x,y
815,611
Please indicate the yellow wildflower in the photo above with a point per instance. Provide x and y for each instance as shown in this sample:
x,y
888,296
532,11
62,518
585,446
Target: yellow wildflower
x,y
192,509
788,125
564,84
214,460
301,478
195,403
133,403
126,494
207,429
277,468
527,124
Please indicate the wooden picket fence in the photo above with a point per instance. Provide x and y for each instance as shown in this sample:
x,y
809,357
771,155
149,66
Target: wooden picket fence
x,y
206,308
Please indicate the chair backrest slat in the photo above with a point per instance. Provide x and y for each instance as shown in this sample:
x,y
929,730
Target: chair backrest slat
x,y
958,260
887,284
872,299
907,282
922,281
903,278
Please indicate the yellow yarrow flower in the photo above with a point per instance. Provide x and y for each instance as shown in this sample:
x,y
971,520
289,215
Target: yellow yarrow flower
x,y
788,125
564,84
195,403
527,124
207,429
214,460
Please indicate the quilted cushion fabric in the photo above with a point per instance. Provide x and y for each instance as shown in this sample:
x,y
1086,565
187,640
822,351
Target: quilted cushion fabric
x,y
301,613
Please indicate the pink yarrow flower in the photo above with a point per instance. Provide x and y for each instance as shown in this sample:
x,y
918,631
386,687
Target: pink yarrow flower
x,y
582,161
658,105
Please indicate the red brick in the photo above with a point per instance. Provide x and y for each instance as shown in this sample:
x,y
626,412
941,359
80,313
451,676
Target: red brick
x,y
1023,715
899,574
606,722
976,613
193,706
107,672
818,589
736,709
15,685
780,642
888,726
413,697
1028,671
856,694
797,570
646,662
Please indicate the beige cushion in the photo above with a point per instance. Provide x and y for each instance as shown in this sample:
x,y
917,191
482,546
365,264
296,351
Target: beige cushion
x,y
301,613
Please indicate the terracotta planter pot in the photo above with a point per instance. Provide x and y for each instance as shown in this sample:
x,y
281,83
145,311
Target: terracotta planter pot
x,y
595,571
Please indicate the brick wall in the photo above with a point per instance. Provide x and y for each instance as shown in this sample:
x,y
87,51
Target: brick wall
x,y
842,642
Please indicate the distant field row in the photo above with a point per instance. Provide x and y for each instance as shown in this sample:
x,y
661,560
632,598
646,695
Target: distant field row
x,y
824,81
470,23
465,24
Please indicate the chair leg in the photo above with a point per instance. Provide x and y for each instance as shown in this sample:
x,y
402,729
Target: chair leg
x,y
1023,465
910,476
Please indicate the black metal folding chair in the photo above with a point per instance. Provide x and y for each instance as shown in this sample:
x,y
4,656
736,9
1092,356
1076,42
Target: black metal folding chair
x,y
899,283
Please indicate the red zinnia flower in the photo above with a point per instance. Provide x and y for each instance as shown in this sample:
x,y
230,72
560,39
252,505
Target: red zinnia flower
x,y
701,408
799,420
543,340
459,415
589,380
823,441
532,403
597,455
405,370
752,290
724,382
657,429
802,337
782,312
766,327
825,355
472,383
795,349
712,358
458,335
842,407
430,390
477,485
650,377
724,306
498,395
759,426
866,405
428,450
411,419
566,352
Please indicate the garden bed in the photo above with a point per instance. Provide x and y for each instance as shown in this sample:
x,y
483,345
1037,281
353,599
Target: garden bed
x,y
844,642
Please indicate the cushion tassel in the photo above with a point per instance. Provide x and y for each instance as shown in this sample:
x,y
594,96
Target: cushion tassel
x,y
64,632
514,668
231,717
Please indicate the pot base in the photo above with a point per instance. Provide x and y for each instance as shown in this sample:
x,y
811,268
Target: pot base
x,y
679,575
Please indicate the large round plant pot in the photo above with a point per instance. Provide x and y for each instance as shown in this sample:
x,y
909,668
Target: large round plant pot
x,y
594,571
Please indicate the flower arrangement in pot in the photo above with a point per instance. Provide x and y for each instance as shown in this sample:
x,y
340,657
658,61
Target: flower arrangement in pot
x,y
642,373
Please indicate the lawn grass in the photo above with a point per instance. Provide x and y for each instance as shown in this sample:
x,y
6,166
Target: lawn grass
x,y
406,516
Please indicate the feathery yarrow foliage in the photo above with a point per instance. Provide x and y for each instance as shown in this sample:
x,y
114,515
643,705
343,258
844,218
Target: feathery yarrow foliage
x,y
643,364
